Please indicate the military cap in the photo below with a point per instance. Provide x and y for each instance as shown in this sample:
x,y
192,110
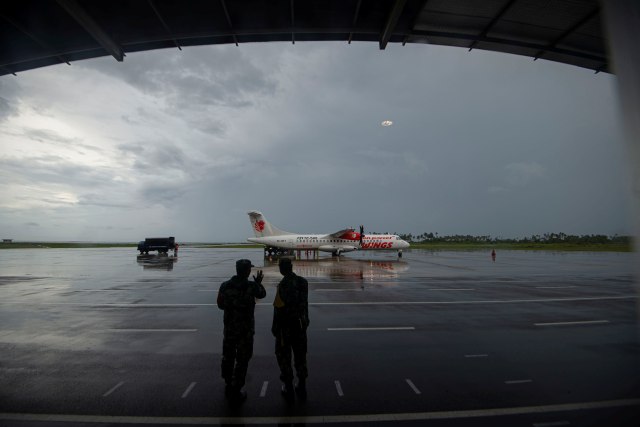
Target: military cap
x,y
244,264
285,261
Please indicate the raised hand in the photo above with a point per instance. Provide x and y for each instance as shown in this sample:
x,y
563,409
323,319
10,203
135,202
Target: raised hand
x,y
259,277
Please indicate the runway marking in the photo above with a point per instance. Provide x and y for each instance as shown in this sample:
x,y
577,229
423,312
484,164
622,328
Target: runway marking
x,y
475,355
337,290
450,289
152,330
207,290
555,287
552,424
188,305
413,386
518,382
322,419
584,322
188,390
514,301
384,328
263,390
339,388
117,386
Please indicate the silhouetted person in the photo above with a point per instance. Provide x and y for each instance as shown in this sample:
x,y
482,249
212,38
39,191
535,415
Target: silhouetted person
x,y
290,322
237,297
493,255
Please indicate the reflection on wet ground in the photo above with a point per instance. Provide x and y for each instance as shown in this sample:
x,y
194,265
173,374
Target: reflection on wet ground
x,y
530,338
342,269
157,262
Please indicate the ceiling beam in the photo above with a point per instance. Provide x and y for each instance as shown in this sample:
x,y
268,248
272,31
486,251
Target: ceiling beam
x,y
415,21
566,34
226,13
495,19
293,24
392,21
50,51
355,20
7,70
91,26
507,42
164,24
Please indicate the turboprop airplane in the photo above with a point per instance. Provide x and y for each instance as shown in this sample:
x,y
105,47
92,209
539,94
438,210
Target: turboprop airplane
x,y
346,240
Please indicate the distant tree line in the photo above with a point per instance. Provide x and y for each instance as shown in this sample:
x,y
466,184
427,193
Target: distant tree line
x,y
536,238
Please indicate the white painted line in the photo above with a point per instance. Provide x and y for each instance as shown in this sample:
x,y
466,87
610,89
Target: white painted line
x,y
263,390
552,424
450,289
270,305
152,330
389,328
512,301
339,388
188,390
475,355
323,419
518,381
413,386
117,386
207,290
337,290
584,322
555,287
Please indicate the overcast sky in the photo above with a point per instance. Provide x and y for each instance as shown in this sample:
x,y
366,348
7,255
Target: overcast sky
x,y
184,143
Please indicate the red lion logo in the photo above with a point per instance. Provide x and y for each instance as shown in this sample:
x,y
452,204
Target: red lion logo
x,y
259,226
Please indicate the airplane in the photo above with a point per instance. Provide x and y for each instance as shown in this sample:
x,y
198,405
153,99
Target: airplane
x,y
346,240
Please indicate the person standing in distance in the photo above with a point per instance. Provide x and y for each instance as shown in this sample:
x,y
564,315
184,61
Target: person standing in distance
x,y
237,297
289,327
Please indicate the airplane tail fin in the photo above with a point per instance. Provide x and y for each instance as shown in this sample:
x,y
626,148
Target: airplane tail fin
x,y
262,227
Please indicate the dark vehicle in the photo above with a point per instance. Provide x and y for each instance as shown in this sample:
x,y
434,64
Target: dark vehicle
x,y
160,244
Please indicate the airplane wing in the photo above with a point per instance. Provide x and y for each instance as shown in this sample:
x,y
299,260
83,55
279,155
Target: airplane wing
x,y
343,234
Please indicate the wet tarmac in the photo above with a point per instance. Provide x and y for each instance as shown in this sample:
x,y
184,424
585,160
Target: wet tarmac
x,y
103,336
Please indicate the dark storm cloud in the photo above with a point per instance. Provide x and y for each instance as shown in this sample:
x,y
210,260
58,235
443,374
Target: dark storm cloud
x,y
160,194
9,90
129,120
102,200
53,137
54,169
193,78
153,158
46,135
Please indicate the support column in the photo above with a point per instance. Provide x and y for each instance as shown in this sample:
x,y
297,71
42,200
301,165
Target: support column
x,y
622,20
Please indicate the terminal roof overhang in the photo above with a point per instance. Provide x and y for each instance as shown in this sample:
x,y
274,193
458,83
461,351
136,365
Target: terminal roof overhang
x,y
38,33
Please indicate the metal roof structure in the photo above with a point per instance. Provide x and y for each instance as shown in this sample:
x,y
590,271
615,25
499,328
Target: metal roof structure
x,y
38,33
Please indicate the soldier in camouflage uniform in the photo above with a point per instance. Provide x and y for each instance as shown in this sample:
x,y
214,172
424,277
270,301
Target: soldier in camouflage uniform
x,y
237,297
290,322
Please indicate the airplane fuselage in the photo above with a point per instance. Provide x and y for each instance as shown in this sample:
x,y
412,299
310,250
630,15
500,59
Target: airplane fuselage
x,y
326,243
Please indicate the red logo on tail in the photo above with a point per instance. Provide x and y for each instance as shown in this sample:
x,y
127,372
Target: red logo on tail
x,y
259,226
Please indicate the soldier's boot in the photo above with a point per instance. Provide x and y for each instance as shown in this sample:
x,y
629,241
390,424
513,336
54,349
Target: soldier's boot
x,y
228,390
287,390
301,388
236,395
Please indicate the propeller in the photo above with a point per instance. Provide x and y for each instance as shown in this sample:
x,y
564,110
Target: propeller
x,y
361,233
